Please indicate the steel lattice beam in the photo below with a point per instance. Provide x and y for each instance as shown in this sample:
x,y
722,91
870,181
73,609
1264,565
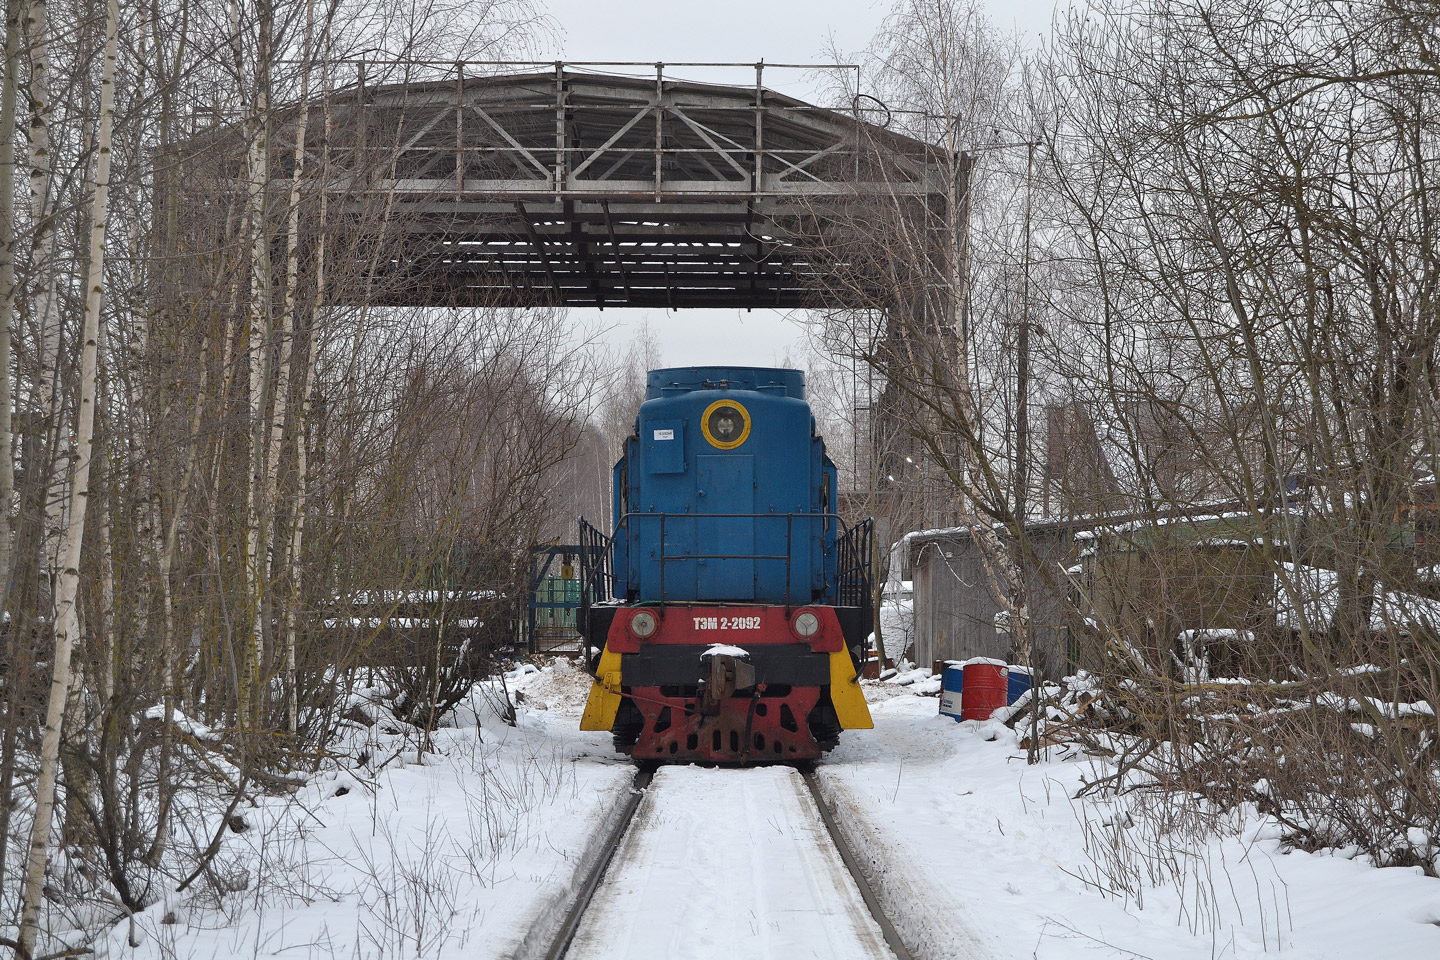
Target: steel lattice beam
x,y
581,189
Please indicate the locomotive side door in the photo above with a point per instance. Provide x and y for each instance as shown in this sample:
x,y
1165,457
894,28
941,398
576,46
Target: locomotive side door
x,y
725,484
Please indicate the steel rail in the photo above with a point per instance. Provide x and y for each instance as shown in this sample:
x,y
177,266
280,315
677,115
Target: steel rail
x,y
857,872
586,893
560,946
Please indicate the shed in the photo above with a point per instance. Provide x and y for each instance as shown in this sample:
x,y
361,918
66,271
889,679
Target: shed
x,y
1154,574
1167,586
955,607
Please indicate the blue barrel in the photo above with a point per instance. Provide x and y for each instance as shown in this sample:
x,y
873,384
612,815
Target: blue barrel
x,y
950,680
1018,683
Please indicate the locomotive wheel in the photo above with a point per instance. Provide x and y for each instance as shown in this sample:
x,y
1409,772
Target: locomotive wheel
x,y
824,724
629,723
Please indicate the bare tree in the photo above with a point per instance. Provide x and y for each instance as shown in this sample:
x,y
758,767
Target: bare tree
x,y
941,74
67,627
202,452
1246,219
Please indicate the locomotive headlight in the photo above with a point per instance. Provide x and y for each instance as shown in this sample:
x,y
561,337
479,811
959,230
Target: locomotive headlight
x,y
642,624
725,424
805,624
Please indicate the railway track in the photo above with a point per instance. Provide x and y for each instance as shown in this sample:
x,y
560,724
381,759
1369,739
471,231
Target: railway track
x,y
726,862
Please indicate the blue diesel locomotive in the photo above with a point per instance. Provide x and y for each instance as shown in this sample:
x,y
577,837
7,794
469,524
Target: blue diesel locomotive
x,y
727,617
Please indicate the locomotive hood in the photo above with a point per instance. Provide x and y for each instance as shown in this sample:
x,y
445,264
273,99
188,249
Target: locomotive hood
x,y
672,381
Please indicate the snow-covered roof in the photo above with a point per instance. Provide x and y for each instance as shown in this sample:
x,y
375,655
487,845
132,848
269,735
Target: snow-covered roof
x,y
378,597
1085,527
1319,592
1213,635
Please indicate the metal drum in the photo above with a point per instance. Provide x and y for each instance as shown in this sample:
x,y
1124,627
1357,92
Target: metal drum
x,y
985,689
1017,681
951,679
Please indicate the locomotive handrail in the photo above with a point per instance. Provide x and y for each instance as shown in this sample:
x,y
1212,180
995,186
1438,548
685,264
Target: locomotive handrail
x,y
624,519
853,548
844,532
853,573
597,577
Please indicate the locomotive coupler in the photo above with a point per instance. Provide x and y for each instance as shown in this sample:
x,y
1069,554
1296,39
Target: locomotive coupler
x,y
723,673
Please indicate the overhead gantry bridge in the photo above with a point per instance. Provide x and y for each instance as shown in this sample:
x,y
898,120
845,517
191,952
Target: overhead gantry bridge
x,y
572,187
558,186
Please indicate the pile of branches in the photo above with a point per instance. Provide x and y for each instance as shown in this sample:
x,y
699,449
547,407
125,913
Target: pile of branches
x,y
1345,761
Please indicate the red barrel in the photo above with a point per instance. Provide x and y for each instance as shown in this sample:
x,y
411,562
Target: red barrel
x,y
984,688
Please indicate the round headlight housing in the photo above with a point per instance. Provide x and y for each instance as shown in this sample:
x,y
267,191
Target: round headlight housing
x,y
643,624
806,624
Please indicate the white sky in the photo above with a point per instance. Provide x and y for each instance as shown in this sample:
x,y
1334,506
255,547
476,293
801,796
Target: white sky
x,y
740,31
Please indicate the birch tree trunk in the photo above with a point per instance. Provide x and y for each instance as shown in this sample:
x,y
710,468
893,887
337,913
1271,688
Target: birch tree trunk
x,y
302,428
257,345
104,628
7,315
67,626
7,288
42,266
280,410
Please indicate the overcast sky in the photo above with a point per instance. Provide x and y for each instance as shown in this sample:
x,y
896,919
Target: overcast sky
x,y
740,31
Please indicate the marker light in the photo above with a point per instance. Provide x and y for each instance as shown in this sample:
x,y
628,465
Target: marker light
x,y
806,624
642,624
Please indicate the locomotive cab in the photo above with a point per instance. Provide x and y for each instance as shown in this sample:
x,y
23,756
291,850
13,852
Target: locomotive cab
x,y
726,617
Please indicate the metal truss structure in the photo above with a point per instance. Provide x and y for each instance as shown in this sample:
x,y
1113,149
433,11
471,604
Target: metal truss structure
x,y
583,189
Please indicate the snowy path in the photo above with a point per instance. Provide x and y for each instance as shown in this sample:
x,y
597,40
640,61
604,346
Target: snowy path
x,y
728,863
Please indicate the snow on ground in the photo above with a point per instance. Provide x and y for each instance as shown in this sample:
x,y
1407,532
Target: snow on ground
x,y
728,863
471,853
980,855
467,854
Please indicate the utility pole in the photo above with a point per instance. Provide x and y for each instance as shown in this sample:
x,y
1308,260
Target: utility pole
x,y
1022,359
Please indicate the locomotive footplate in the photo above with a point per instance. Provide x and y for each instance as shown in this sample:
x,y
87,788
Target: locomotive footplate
x,y
725,684
724,704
